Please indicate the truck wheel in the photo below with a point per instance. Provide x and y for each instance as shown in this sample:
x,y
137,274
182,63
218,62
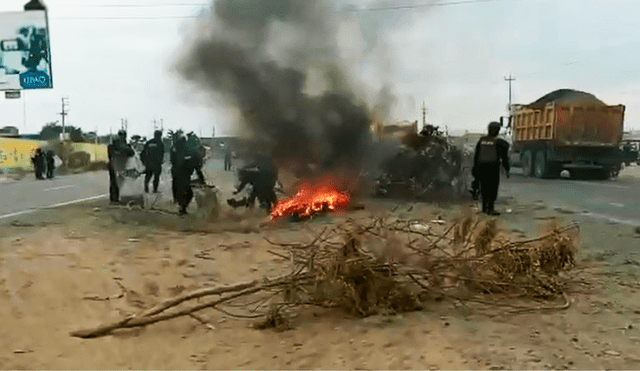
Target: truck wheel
x,y
542,167
527,162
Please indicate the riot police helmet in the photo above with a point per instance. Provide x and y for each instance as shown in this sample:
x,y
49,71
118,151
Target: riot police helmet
x,y
157,134
494,128
122,134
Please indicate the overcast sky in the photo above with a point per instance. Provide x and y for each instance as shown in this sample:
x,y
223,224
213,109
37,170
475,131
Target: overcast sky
x,y
454,57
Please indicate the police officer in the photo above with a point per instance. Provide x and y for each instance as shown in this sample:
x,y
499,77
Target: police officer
x,y
118,152
491,152
152,157
262,176
185,162
178,149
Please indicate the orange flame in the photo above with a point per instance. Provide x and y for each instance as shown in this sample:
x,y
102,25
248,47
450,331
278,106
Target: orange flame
x,y
312,198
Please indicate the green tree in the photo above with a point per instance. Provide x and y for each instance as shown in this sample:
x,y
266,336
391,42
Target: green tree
x,y
52,131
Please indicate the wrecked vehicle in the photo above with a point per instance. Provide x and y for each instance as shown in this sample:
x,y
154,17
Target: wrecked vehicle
x,y
426,165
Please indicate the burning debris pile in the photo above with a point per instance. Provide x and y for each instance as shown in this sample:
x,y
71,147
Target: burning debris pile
x,y
389,266
427,166
310,198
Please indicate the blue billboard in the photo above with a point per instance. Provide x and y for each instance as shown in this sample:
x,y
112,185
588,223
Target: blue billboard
x,y
25,54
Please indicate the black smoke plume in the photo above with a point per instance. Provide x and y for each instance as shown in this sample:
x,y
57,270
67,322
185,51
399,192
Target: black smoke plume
x,y
259,55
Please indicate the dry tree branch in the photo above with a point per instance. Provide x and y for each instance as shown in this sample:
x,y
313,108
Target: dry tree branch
x,y
139,321
197,294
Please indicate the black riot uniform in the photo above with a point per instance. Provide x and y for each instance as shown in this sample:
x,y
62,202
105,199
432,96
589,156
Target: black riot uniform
x,y
185,162
491,152
177,151
38,161
152,157
50,164
262,176
118,152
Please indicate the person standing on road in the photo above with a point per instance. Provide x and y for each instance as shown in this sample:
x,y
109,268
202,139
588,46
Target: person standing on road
x,y
152,156
186,161
177,153
491,152
50,164
118,152
227,159
38,163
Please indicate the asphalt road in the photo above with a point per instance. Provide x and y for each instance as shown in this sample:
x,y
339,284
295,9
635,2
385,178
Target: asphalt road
x,y
28,195
609,201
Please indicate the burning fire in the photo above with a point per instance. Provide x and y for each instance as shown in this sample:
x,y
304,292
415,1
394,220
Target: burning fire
x,y
312,198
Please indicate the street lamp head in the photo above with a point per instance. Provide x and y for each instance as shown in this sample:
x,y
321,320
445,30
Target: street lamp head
x,y
34,5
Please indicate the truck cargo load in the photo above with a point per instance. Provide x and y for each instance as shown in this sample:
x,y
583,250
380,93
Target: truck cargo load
x,y
568,129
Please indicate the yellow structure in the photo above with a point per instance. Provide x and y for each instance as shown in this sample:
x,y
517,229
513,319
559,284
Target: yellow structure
x,y
98,152
17,153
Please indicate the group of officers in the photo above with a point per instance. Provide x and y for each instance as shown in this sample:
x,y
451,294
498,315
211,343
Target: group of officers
x,y
186,157
184,161
43,164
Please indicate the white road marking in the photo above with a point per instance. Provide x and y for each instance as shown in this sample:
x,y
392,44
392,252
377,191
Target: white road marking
x,y
75,201
60,187
17,213
602,184
613,219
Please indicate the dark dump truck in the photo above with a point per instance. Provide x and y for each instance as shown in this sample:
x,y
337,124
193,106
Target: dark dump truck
x,y
568,130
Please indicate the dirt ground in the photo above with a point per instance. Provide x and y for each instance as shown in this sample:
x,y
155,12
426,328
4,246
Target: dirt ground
x,y
58,267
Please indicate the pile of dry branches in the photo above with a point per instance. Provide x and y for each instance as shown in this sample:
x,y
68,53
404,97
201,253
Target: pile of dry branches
x,y
397,265
389,266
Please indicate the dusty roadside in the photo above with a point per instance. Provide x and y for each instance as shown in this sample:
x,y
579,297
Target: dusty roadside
x,y
60,266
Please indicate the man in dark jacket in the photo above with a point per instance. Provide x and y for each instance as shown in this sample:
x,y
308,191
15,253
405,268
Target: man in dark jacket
x,y
152,156
227,159
118,152
491,152
38,163
185,162
50,164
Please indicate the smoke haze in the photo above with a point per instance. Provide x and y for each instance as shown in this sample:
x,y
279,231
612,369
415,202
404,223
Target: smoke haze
x,y
279,63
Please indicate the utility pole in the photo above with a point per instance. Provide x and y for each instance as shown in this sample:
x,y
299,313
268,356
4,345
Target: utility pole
x,y
424,115
510,79
154,125
65,104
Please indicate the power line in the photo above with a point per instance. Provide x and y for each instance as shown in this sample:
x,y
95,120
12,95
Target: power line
x,y
125,18
425,5
399,7
128,5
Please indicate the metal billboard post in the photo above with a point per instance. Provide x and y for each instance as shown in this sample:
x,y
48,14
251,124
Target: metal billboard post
x,y
26,33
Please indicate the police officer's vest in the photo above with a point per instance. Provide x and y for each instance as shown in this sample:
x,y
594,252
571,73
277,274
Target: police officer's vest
x,y
488,150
